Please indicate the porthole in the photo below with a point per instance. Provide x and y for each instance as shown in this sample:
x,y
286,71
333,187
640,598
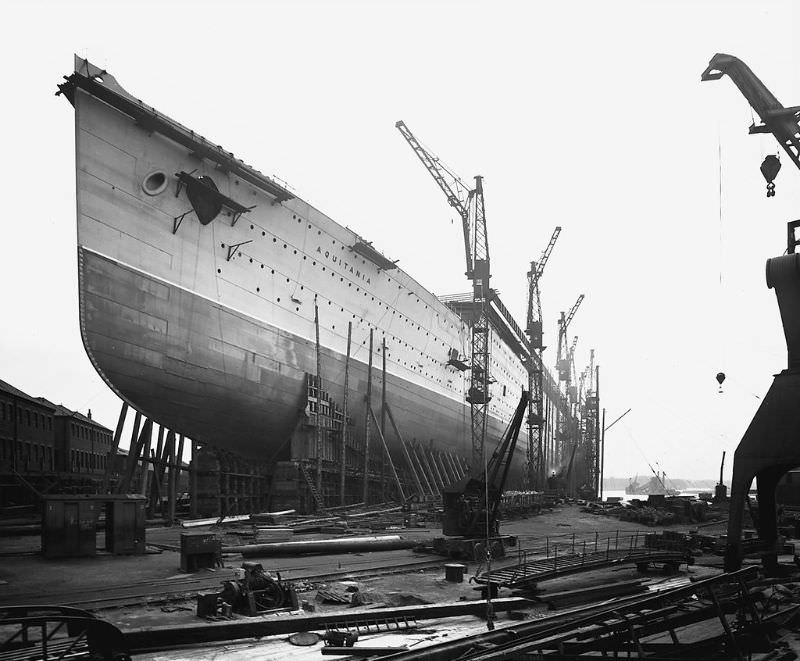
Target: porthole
x,y
155,182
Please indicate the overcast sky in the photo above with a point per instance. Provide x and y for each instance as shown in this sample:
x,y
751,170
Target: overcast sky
x,y
588,115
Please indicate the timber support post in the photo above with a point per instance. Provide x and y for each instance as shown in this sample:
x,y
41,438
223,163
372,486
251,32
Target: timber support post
x,y
193,491
368,406
318,436
383,421
345,416
112,453
388,456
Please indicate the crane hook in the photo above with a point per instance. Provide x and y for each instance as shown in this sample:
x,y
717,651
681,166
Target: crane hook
x,y
770,168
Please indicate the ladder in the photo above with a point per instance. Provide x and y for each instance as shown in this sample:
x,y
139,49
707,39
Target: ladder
x,y
317,497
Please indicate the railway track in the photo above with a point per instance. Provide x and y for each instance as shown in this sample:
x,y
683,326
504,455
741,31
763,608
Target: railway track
x,y
179,589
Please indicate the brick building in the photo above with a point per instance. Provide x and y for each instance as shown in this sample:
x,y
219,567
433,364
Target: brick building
x,y
26,432
82,445
38,436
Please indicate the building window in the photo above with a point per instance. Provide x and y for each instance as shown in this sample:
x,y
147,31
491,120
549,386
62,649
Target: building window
x,y
28,417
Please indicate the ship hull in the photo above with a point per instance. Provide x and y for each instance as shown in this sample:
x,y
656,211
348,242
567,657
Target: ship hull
x,y
205,321
163,356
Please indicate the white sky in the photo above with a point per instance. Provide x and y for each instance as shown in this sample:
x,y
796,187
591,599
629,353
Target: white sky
x,y
588,115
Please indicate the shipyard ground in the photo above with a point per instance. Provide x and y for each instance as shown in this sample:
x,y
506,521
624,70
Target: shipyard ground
x,y
140,591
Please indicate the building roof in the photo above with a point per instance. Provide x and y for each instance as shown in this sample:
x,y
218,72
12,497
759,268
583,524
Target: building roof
x,y
56,409
16,392
63,411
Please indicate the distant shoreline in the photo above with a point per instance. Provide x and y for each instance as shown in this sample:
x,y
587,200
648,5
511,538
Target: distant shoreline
x,y
619,483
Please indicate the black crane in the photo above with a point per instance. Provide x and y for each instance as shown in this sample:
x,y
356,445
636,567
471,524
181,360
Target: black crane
x,y
535,460
781,122
471,504
565,432
470,206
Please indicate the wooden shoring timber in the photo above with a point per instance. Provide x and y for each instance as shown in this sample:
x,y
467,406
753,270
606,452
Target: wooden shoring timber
x,y
126,465
137,443
439,463
421,470
318,379
409,462
417,462
155,482
459,473
387,456
383,420
145,455
437,473
430,477
174,475
453,466
462,465
167,457
367,421
193,480
446,468
112,453
343,466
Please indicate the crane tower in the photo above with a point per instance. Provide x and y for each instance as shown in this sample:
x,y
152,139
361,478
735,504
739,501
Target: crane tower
x,y
535,456
470,206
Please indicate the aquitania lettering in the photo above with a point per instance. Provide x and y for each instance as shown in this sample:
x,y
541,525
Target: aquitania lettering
x,y
348,268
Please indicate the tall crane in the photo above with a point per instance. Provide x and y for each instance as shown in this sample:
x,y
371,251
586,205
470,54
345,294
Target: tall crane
x,y
590,433
470,206
562,360
781,122
564,368
572,390
535,459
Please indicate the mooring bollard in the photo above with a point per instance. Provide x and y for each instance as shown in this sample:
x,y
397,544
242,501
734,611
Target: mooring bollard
x,y
454,573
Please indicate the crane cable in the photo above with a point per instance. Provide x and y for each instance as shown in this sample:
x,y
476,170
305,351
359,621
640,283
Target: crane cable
x,y
721,291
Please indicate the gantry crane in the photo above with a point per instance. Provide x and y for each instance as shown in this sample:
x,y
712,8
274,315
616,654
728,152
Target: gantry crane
x,y
768,447
781,122
470,206
535,459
